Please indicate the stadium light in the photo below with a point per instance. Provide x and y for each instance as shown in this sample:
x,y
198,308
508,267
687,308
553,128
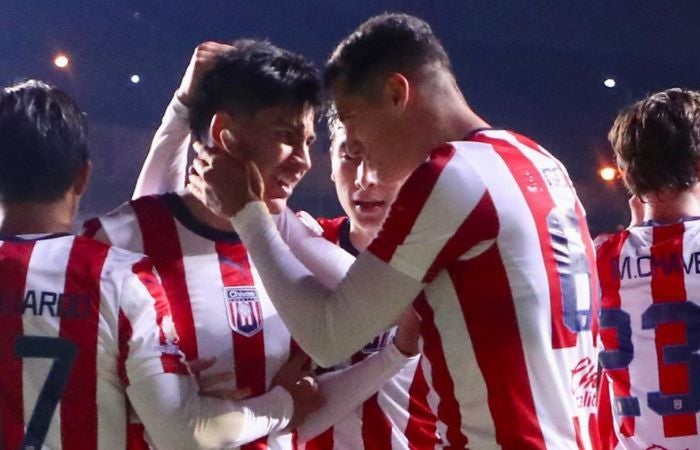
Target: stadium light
x,y
135,79
609,83
607,173
61,61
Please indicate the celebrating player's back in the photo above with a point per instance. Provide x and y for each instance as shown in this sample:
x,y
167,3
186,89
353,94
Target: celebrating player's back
x,y
650,280
81,323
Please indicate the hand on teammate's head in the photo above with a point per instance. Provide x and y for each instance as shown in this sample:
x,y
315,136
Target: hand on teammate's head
x,y
203,59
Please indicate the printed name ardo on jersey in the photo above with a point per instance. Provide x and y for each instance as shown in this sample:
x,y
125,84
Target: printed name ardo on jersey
x,y
40,303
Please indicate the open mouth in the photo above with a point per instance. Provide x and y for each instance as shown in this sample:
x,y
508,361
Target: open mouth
x,y
369,206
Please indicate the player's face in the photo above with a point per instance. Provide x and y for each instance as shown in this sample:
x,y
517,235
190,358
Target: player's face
x,y
365,200
371,123
278,139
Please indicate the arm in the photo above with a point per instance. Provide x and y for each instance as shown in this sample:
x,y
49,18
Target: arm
x,y
345,390
329,325
176,417
166,164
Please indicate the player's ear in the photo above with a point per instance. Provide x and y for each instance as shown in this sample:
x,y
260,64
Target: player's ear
x,y
82,178
219,122
397,90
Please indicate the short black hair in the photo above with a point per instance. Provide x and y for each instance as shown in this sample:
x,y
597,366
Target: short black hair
x,y
254,75
657,142
389,42
43,142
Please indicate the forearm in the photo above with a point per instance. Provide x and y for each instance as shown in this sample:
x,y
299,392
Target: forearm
x,y
176,417
165,167
326,260
329,324
345,390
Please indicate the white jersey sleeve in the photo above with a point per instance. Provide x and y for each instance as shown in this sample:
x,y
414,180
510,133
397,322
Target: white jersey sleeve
x,y
345,390
165,167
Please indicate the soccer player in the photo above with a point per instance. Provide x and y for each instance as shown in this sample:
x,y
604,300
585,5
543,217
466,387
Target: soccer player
x,y
82,324
266,97
487,239
650,281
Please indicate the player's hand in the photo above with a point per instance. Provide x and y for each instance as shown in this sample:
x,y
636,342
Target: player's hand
x,y
295,377
203,59
225,180
209,384
408,333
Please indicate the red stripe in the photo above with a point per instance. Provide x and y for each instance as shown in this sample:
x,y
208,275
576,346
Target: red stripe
x,y
91,227
495,336
608,264
421,429
14,264
125,333
376,428
323,441
481,225
593,431
540,203
448,406
669,287
410,201
136,437
331,228
606,425
248,352
144,271
161,243
79,403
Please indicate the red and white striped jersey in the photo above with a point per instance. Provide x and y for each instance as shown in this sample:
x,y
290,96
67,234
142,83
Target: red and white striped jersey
x,y
217,300
79,322
650,337
494,228
398,415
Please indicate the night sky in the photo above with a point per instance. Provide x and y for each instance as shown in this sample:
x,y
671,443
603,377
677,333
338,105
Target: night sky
x,y
536,67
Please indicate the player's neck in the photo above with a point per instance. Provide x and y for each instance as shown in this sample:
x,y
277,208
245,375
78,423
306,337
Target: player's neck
x,y
37,218
671,207
451,118
203,214
360,238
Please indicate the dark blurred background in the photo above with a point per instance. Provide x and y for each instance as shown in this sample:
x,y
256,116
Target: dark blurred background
x,y
538,67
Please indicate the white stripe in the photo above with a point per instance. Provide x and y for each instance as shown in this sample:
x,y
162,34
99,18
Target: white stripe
x,y
46,274
469,384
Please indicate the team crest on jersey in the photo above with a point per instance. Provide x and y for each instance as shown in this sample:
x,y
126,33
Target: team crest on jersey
x,y
243,309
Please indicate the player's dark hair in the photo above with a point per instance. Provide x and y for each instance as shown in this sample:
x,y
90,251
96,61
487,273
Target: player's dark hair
x,y
43,142
254,75
657,142
383,44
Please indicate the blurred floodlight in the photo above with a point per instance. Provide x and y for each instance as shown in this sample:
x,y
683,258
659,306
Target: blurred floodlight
x,y
135,79
607,173
61,61
609,83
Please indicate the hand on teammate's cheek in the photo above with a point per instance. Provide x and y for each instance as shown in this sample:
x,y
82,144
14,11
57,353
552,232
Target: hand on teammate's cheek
x,y
223,178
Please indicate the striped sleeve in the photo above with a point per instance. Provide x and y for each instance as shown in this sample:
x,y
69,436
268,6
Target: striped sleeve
x,y
442,211
147,337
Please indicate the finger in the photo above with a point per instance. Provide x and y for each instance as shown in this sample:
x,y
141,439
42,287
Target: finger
x,y
230,144
199,166
194,186
198,365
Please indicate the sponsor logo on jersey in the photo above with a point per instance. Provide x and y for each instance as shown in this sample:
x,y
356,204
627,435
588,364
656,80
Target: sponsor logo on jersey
x,y
243,309
583,383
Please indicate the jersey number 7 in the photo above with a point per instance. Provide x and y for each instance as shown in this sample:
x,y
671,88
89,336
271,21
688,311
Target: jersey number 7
x,y
63,352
